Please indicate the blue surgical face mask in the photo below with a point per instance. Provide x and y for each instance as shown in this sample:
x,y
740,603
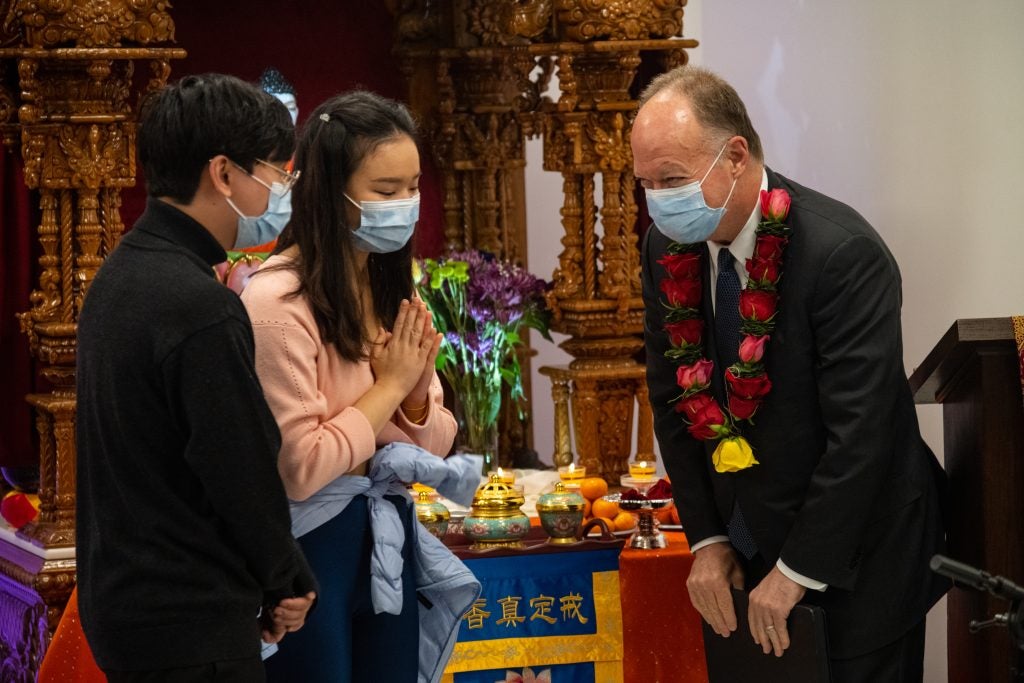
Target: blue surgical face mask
x,y
681,213
256,230
385,226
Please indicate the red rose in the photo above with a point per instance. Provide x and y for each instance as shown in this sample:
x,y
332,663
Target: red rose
x,y
662,489
769,246
691,405
707,415
757,304
742,408
774,205
694,376
681,266
762,269
688,331
748,387
752,348
681,293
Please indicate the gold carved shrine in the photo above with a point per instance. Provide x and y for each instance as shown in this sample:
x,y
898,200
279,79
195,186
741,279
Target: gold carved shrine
x,y
479,70
69,98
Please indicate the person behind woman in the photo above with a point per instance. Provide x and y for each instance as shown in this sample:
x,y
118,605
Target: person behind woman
x,y
339,385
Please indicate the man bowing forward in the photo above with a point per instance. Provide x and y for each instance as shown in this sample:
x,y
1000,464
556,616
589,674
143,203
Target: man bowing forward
x,y
774,361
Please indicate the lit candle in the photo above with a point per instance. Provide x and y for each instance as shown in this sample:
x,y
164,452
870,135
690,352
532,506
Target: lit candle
x,y
641,469
504,476
571,473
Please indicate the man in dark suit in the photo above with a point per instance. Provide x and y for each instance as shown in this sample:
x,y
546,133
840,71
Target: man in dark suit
x,y
843,508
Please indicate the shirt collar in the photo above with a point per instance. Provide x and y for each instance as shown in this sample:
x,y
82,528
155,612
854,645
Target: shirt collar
x,y
175,226
742,247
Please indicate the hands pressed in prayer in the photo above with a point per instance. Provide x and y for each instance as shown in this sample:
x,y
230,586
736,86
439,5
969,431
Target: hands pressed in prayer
x,y
287,616
770,605
715,571
399,356
417,399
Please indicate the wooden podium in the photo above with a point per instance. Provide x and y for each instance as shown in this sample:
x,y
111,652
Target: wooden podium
x,y
974,373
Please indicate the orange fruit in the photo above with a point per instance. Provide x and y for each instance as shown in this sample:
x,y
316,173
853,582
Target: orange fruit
x,y
624,521
607,520
663,515
586,508
604,508
593,488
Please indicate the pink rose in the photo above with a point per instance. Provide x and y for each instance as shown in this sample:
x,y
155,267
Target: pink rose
x,y
694,376
752,348
774,205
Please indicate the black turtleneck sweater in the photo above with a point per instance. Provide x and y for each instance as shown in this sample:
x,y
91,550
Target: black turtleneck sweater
x,y
183,526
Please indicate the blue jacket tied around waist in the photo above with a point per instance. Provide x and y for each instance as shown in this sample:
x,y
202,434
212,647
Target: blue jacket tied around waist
x,y
442,580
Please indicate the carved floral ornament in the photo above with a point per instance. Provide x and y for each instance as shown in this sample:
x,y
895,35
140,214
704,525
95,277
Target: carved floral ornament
x,y
90,23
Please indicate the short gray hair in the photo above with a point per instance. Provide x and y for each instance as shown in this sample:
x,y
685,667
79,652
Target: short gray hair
x,y
717,105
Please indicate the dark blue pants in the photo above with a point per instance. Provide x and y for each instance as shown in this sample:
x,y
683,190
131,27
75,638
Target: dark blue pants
x,y
343,641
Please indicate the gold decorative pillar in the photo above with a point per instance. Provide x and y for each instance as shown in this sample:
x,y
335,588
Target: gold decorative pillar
x,y
77,101
596,298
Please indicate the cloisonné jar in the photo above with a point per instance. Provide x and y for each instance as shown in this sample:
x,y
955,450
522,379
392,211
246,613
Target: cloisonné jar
x,y
496,518
561,514
432,513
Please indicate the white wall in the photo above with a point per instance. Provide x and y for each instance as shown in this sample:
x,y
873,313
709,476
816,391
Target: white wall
x,y
910,111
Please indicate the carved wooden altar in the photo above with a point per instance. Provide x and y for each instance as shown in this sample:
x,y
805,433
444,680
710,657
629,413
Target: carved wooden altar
x,y
479,69
69,97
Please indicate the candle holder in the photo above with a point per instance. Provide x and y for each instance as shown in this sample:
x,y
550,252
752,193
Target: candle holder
x,y
572,473
642,470
503,475
646,536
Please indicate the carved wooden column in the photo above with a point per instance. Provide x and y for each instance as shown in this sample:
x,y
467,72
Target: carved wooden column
x,y
480,68
78,99
596,297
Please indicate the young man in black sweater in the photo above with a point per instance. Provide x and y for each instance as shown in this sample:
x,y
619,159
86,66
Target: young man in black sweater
x,y
185,553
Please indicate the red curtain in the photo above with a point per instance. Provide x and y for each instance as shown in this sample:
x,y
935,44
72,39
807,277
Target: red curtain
x,y
323,47
18,254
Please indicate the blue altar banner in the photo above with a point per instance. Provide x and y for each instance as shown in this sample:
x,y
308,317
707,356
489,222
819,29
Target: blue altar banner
x,y
557,610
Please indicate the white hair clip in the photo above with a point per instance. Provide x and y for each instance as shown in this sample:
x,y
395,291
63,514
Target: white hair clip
x,y
325,117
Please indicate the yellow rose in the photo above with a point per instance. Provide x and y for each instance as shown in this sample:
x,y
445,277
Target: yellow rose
x,y
733,454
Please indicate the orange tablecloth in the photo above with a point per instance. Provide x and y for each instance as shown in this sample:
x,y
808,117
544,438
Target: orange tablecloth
x,y
68,658
661,631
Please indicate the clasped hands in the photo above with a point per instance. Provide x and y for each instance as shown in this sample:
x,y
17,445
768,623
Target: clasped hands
x,y
288,615
404,357
715,570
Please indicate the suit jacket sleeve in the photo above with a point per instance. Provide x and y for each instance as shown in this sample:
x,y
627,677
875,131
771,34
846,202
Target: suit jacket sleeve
x,y
684,457
855,315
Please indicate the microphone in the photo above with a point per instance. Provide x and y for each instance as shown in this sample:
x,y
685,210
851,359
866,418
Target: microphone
x,y
976,578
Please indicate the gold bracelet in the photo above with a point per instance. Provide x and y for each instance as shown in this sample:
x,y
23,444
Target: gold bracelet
x,y
419,411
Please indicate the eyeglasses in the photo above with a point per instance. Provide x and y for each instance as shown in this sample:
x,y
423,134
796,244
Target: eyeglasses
x,y
287,179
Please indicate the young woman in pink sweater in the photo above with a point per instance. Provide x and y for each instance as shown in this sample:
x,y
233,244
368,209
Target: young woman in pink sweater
x,y
345,354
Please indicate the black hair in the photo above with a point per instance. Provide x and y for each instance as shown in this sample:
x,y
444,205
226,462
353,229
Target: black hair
x,y
189,122
336,138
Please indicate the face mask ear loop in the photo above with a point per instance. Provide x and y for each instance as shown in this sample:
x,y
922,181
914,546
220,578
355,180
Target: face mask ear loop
x,y
354,202
730,194
713,164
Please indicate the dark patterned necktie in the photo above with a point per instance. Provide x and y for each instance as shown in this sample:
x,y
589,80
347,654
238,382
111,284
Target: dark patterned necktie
x,y
727,334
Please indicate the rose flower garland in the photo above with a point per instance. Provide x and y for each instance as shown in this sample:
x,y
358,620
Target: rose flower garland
x,y
747,380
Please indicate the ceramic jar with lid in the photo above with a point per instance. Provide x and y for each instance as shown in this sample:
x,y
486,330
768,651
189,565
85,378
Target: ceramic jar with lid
x,y
432,513
496,518
561,514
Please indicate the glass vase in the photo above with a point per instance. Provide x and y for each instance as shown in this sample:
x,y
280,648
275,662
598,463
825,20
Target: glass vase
x,y
478,435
